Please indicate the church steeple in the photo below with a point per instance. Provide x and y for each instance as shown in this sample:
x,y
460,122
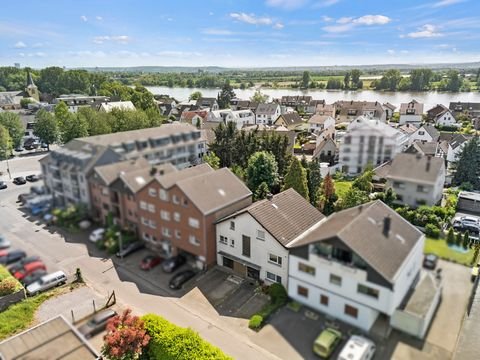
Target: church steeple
x,y
30,80
31,89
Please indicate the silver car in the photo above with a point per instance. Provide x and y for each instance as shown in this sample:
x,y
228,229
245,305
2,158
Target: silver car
x,y
47,282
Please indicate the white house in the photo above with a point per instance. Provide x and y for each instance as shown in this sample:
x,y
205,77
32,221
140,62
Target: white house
x,y
253,241
446,118
411,113
239,117
267,114
416,179
117,105
455,147
425,133
369,142
319,123
357,265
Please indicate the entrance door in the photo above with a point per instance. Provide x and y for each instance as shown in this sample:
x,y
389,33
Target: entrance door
x,y
253,273
239,268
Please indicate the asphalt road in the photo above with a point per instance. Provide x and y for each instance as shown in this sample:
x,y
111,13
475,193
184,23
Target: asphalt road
x,y
193,310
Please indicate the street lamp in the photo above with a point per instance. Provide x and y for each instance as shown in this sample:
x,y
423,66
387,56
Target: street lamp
x,y
120,243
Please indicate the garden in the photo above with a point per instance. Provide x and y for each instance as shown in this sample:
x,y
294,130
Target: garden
x,y
278,298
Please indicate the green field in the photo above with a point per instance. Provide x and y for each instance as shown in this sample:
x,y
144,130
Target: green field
x,y
440,248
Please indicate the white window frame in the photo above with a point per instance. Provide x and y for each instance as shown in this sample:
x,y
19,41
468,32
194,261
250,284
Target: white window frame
x,y
152,224
278,261
260,232
223,240
176,216
192,239
178,234
166,232
144,221
151,208
175,199
163,195
165,215
152,192
194,223
143,205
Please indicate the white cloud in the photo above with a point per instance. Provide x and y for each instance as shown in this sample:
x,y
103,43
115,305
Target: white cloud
x,y
391,52
220,32
325,3
83,18
19,45
99,18
286,4
426,31
121,39
37,54
327,19
278,26
348,23
178,54
443,3
21,54
251,19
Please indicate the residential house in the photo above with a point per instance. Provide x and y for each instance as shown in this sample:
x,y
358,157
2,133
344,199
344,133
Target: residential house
x,y
178,210
312,106
246,105
348,111
253,241
416,179
267,114
241,118
369,142
194,117
425,133
326,109
296,101
454,146
470,109
411,113
116,105
76,101
292,121
358,265
423,148
446,118
67,168
322,123
389,110
408,129
207,103
433,112
326,150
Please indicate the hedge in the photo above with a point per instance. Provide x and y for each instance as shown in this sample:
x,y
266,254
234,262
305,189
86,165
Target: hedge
x,y
8,284
171,342
255,322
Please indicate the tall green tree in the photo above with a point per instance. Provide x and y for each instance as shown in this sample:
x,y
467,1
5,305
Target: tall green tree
x,y
258,97
454,81
355,79
5,143
261,192
353,197
11,121
364,181
327,196
296,178
314,181
468,165
46,128
347,79
98,123
73,127
195,95
262,167
420,79
451,237
226,95
390,80
212,160
49,80
306,78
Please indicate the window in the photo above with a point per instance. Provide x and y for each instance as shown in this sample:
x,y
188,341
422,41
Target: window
x,y
227,262
176,216
422,189
166,232
274,259
421,133
306,268
144,221
185,202
175,200
152,224
246,246
302,291
324,300
178,234
335,279
232,225
273,277
232,242
261,235
106,207
223,239
152,192
193,240
398,185
194,223
163,195
165,215
351,311
105,191
143,205
365,290
347,140
151,208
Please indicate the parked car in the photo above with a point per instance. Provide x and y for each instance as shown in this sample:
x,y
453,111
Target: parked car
x,y
181,278
326,342
96,235
150,261
40,209
37,189
173,263
19,149
13,268
4,243
358,348
97,323
33,277
29,268
47,282
430,261
23,198
130,249
9,257
19,180
3,185
49,219
32,178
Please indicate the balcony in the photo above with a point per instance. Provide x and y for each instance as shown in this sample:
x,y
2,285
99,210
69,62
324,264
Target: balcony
x,y
332,256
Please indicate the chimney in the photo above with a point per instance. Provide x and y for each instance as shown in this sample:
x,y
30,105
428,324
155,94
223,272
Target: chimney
x,y
386,225
429,158
153,171
270,196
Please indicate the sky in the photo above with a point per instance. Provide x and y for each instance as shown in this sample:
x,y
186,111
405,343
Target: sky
x,y
241,33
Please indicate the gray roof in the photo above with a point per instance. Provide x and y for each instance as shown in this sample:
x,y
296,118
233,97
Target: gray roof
x,y
170,179
348,107
464,106
137,179
319,119
266,109
361,229
416,168
214,190
292,119
422,298
457,140
431,130
424,148
109,173
52,339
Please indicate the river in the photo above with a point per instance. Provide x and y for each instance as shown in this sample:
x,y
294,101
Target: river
x,y
429,98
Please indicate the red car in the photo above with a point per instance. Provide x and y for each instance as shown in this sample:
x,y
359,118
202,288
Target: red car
x,y
29,269
150,261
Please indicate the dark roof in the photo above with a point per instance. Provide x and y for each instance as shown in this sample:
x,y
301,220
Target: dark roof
x,y
30,80
361,229
424,148
286,216
432,131
204,101
438,109
356,108
267,109
416,168
464,106
292,119
458,139
381,171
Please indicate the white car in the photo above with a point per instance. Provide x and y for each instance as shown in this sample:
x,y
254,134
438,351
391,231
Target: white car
x,y
97,235
47,282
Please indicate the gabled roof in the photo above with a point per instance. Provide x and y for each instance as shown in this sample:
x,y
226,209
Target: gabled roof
x,y
361,228
286,216
389,106
266,109
411,108
437,109
109,173
319,119
457,140
170,179
292,119
138,178
356,108
408,128
416,168
423,147
431,130
321,145
189,115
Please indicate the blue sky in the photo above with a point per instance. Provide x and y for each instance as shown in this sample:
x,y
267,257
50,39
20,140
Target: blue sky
x,y
242,33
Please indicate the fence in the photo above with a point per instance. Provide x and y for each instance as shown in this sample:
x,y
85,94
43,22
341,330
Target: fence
x,y
110,301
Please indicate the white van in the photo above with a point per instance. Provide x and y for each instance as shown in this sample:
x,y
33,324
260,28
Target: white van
x,y
357,348
47,282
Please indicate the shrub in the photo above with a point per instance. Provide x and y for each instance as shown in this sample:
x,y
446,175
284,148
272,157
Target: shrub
x,y
278,294
255,322
432,231
8,286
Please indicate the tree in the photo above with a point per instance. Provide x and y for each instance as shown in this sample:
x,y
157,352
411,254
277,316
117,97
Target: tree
x,y
353,197
355,79
46,128
258,97
314,181
261,192
195,95
73,127
450,237
466,240
334,84
143,99
454,81
5,143
327,196
305,80
296,178
262,167
13,124
364,181
126,337
420,79
212,160
459,239
225,95
98,123
346,80
468,165
49,79
390,80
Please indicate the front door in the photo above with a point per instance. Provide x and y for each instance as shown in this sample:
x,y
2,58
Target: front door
x,y
239,268
253,273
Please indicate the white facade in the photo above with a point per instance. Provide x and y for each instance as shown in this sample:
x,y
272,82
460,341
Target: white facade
x,y
239,117
268,118
346,294
264,253
420,135
369,142
315,127
454,154
415,119
446,119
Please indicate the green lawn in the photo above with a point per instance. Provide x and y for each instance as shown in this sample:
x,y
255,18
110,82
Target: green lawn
x,y
341,187
439,247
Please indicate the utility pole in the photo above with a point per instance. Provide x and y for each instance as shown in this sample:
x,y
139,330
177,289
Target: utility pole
x,y
120,243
